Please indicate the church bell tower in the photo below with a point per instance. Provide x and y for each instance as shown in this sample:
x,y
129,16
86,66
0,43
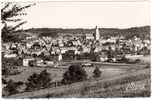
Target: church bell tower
x,y
97,35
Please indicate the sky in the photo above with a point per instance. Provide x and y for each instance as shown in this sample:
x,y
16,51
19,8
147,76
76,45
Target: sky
x,y
87,14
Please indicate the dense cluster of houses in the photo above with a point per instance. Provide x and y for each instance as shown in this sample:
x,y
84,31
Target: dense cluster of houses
x,y
48,50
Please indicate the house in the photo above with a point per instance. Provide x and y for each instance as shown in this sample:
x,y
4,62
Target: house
x,y
89,36
27,60
129,56
103,58
98,49
111,40
86,50
29,44
49,62
60,43
60,58
10,55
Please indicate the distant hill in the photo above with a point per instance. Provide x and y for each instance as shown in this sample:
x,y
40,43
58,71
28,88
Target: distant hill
x,y
142,32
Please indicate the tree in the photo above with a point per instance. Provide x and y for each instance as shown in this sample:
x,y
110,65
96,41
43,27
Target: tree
x,y
97,73
11,87
9,13
44,78
9,65
110,54
124,59
75,73
33,82
4,81
36,81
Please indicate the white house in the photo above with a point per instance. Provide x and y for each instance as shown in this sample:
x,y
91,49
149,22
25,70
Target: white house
x,y
10,55
26,61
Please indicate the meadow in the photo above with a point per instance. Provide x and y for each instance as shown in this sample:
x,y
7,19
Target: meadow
x,y
134,84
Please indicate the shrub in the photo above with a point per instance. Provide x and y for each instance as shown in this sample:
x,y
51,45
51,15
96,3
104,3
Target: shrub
x,y
37,81
137,61
32,81
124,60
19,83
44,78
4,81
11,87
148,66
75,73
5,71
32,63
11,62
97,73
9,65
10,70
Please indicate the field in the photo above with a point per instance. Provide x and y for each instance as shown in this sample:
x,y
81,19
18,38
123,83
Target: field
x,y
135,84
114,80
108,70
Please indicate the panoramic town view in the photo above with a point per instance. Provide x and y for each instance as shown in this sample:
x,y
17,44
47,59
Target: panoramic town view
x,y
64,50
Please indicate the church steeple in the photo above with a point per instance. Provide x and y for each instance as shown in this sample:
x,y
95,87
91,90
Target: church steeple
x,y
97,35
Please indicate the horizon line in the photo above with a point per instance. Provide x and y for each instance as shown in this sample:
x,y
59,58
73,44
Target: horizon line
x,y
88,28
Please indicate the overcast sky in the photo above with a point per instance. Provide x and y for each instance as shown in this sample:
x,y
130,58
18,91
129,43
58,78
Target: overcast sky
x,y
88,14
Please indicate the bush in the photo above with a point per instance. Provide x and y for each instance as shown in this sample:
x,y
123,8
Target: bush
x,y
4,81
32,82
44,78
9,64
5,71
37,81
148,66
11,87
19,83
97,73
124,60
137,61
32,63
10,70
75,73
11,61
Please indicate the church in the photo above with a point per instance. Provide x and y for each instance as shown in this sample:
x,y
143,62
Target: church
x,y
95,36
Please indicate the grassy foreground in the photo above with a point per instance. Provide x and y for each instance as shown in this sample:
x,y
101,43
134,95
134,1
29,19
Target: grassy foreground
x,y
135,84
